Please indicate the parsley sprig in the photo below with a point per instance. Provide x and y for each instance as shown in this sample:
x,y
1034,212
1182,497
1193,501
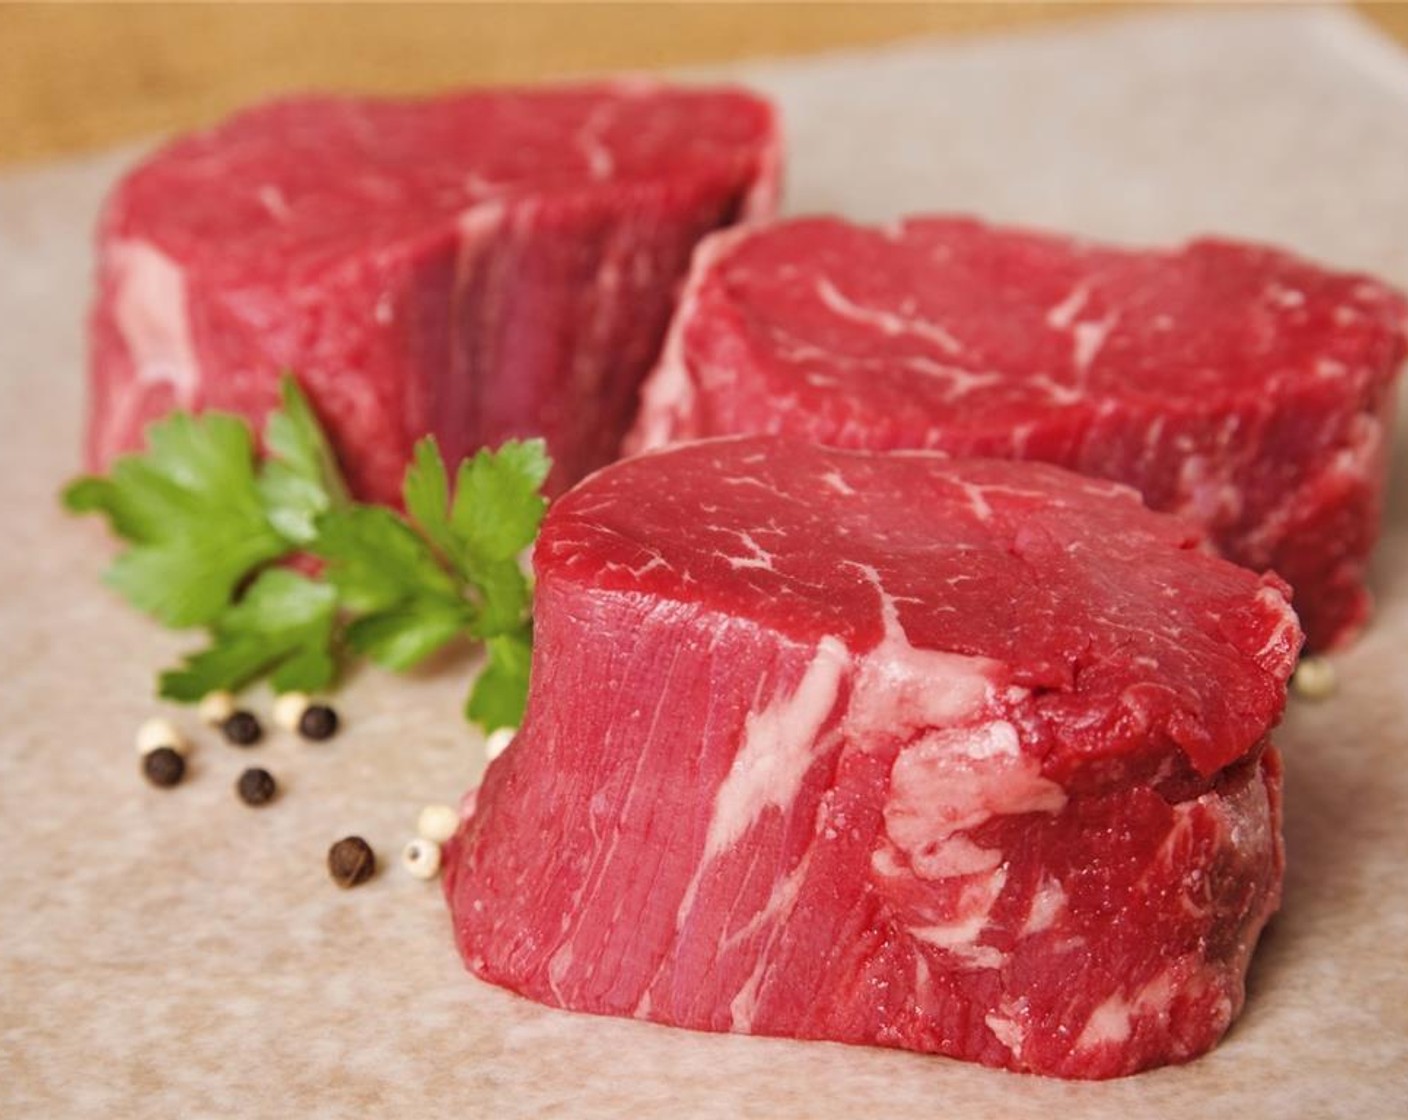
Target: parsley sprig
x,y
209,527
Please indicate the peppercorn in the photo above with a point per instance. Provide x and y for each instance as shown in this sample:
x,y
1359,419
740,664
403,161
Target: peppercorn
x,y
438,822
351,862
157,732
242,729
318,722
421,858
289,708
256,786
1315,679
498,742
164,767
216,707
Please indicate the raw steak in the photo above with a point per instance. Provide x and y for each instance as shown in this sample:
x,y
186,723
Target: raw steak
x,y
479,266
1232,383
961,757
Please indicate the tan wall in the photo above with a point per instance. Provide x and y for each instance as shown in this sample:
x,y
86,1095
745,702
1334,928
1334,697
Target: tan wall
x,y
85,76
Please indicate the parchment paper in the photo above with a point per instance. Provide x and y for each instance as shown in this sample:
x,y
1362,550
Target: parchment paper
x,y
178,954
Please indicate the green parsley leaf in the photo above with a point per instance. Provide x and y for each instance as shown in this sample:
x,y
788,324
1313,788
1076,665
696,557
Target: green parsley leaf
x,y
191,509
494,515
405,635
203,522
409,605
301,479
500,693
505,598
397,581
498,507
376,561
284,625
426,492
500,485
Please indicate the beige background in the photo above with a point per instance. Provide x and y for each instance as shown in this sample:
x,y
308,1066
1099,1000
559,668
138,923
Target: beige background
x,y
177,954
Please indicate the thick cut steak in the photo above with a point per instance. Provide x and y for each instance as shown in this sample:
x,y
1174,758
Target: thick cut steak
x,y
962,757
1232,383
478,266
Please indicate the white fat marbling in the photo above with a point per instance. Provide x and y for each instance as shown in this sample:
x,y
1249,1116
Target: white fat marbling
x,y
900,688
951,781
149,303
1048,901
779,746
601,164
889,323
758,556
1286,624
959,934
1207,491
960,381
837,482
1062,315
1088,339
773,918
275,204
1113,1020
1008,1032
475,225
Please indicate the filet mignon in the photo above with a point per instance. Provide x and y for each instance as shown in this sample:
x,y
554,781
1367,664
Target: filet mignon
x,y
479,266
1232,383
969,758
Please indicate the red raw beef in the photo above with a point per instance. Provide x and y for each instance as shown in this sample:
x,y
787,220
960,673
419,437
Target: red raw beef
x,y
479,266
967,757
1231,383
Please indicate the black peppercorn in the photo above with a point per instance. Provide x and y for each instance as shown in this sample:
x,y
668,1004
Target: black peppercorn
x,y
318,722
242,729
351,861
256,786
163,767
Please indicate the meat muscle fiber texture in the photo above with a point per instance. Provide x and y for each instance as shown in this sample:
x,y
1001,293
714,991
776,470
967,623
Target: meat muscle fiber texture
x,y
1235,384
478,266
969,758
